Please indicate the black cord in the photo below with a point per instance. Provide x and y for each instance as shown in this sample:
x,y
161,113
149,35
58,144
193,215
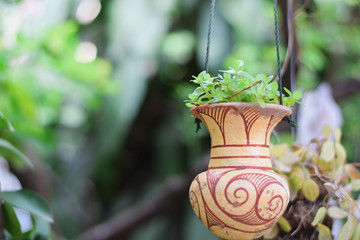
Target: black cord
x,y
278,51
287,118
209,34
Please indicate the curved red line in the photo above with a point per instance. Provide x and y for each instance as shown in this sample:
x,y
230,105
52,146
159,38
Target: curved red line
x,y
277,204
229,214
268,128
208,209
251,156
241,145
262,190
197,202
235,168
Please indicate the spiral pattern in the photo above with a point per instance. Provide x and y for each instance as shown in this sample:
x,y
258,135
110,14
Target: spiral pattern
x,y
235,203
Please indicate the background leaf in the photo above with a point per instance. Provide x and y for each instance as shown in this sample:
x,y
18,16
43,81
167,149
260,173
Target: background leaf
x,y
4,123
328,151
6,148
348,230
11,222
310,190
284,224
337,213
320,214
355,185
272,232
324,229
29,201
356,235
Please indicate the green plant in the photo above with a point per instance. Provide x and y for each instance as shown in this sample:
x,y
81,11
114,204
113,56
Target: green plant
x,y
27,200
236,85
316,173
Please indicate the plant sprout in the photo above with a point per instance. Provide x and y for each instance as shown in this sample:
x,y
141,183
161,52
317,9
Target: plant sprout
x,y
236,85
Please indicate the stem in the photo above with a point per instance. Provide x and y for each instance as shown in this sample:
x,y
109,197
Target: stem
x,y
256,83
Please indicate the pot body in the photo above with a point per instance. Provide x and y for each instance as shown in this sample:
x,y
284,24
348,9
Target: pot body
x,y
239,196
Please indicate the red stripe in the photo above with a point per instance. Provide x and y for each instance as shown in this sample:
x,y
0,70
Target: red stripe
x,y
221,157
242,167
241,145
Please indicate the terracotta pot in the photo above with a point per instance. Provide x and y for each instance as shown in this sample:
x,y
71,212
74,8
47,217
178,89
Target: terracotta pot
x,y
239,196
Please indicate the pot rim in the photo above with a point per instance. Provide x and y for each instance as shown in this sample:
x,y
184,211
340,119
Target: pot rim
x,y
276,107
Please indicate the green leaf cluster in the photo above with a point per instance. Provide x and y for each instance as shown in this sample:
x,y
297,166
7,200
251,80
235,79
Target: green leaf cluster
x,y
316,173
237,85
27,200
31,202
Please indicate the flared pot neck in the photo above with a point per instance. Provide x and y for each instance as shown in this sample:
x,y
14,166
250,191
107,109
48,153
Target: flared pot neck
x,y
240,123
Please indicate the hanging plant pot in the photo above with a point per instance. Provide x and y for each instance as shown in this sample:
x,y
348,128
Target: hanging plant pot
x,y
239,196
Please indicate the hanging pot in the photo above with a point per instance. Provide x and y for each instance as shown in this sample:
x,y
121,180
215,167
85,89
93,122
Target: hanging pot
x,y
239,196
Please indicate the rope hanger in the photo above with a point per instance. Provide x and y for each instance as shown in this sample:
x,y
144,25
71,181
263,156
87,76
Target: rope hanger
x,y
278,51
276,40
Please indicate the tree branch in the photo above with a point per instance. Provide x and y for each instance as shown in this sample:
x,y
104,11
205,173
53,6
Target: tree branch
x,y
345,88
167,197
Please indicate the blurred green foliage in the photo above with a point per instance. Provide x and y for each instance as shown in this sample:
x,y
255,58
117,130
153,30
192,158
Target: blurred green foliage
x,y
111,129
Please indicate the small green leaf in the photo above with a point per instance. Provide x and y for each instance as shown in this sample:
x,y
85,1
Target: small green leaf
x,y
348,230
272,232
261,102
323,236
324,229
328,151
340,153
337,213
284,224
337,133
288,91
7,148
5,124
29,201
11,222
296,180
42,227
310,190
356,235
326,131
320,214
297,95
355,185
278,150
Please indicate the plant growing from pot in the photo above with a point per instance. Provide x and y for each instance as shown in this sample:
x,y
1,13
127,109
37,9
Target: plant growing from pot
x,y
322,186
239,196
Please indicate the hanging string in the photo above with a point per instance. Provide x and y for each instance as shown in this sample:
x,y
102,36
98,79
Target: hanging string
x,y
287,118
278,50
212,7
209,35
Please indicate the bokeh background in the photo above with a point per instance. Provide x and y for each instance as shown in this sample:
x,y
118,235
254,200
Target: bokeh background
x,y
95,91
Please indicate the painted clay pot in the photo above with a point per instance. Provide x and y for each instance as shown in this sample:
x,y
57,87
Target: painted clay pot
x,y
239,196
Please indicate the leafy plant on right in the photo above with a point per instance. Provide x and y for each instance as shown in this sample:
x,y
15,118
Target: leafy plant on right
x,y
322,187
